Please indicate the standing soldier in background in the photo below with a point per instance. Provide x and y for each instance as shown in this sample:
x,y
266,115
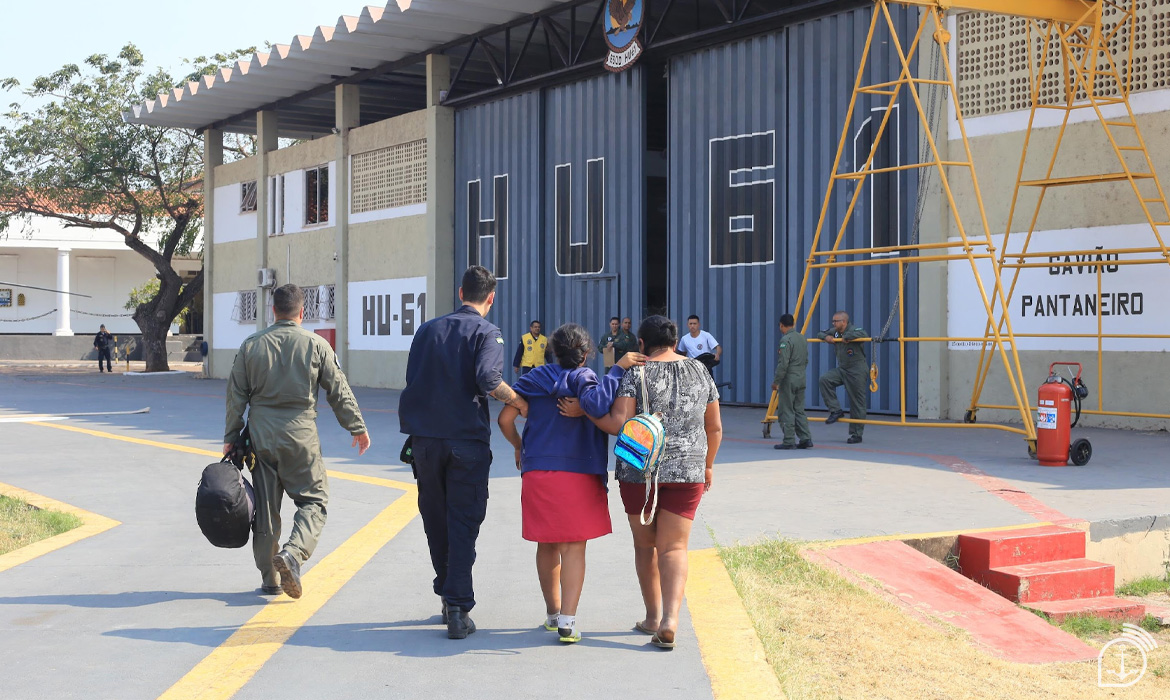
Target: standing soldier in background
x,y
851,370
102,342
532,352
608,345
277,372
789,384
625,342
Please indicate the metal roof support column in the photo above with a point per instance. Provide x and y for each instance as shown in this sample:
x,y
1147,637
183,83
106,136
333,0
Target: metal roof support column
x,y
265,143
347,115
440,188
212,158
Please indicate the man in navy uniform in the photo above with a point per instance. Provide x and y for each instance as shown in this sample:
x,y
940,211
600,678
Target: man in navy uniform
x,y
102,342
456,361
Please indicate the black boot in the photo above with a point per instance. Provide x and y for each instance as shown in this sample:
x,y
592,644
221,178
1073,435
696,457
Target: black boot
x,y
289,568
834,416
853,439
446,611
804,444
459,623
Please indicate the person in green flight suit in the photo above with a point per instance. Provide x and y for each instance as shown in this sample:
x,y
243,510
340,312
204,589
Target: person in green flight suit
x,y
619,339
789,384
277,373
852,370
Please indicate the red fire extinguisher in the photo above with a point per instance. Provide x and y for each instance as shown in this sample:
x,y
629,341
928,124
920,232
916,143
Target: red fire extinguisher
x,y
1059,399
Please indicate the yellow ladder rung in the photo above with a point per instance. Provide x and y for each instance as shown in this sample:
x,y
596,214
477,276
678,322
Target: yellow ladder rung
x,y
1130,148
1156,199
1128,124
1083,179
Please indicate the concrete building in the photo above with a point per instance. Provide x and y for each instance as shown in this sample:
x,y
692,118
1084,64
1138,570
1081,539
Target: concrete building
x,y
624,159
94,264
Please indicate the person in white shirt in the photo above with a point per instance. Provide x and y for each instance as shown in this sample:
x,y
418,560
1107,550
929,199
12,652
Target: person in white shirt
x,y
698,342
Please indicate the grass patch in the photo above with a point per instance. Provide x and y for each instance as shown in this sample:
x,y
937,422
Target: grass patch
x,y
1088,626
1144,587
22,524
827,637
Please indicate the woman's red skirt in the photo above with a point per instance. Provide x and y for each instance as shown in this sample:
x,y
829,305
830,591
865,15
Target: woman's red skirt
x,y
564,506
680,499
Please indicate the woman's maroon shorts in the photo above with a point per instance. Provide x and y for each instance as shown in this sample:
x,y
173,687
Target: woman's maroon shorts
x,y
680,499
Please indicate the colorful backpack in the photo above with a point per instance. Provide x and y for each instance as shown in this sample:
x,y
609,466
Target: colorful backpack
x,y
639,444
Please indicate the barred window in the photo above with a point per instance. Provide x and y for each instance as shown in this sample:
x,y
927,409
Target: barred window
x,y
317,195
395,176
247,196
312,305
319,302
328,298
245,310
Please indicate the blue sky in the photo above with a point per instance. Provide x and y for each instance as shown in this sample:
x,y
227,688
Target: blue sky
x,y
41,38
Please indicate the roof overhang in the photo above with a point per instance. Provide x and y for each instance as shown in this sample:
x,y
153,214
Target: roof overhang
x,y
365,49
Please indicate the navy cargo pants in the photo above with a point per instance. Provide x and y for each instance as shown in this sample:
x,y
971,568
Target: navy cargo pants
x,y
452,499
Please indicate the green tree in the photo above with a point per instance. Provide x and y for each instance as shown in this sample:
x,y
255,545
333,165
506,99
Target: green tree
x,y
73,157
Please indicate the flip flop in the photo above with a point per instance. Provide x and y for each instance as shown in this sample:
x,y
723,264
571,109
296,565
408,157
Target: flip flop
x,y
661,643
644,629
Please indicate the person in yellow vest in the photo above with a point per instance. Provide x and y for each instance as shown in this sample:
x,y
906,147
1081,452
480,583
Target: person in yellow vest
x,y
532,352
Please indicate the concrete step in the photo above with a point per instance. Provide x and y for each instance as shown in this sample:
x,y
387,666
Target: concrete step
x,y
926,589
983,551
1106,607
1067,579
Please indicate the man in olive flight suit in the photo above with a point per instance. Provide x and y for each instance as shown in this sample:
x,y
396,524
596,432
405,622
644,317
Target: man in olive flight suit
x,y
789,384
277,372
852,370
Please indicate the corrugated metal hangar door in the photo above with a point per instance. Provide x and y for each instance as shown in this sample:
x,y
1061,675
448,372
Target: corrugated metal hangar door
x,y
754,126
549,196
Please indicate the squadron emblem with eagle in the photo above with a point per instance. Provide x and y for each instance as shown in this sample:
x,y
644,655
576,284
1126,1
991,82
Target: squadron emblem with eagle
x,y
622,21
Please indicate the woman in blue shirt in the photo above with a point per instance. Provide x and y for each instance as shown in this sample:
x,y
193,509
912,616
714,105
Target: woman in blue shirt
x,y
563,462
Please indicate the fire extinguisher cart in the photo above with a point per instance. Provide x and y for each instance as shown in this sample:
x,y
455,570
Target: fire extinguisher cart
x,y
1058,412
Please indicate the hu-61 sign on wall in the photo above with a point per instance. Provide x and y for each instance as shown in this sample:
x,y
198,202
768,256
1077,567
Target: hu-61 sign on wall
x,y
384,314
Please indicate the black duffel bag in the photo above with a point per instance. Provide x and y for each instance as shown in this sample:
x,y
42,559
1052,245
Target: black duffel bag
x,y
225,503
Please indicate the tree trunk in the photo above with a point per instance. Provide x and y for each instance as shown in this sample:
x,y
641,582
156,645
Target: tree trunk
x,y
154,320
154,343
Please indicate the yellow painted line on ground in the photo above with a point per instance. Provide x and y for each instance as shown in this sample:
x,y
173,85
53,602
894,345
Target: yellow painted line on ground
x,y
134,440
91,524
231,665
829,544
732,653
374,480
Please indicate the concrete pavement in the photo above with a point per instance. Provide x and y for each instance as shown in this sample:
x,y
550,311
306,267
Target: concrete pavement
x,y
128,613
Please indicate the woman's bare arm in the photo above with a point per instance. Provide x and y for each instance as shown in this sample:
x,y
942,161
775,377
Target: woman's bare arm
x,y
713,425
507,423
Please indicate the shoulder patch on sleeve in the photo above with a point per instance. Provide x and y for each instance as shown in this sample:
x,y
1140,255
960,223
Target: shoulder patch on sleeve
x,y
499,340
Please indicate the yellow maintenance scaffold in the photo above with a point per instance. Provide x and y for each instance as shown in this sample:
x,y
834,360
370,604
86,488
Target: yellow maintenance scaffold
x,y
1078,26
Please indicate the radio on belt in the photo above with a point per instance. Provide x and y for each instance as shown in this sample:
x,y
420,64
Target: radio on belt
x,y
1059,397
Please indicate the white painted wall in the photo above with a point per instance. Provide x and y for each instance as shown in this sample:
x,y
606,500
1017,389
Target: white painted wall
x,y
1062,298
228,334
230,223
101,266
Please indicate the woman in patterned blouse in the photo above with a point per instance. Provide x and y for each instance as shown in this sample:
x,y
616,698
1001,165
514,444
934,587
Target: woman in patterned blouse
x,y
681,389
